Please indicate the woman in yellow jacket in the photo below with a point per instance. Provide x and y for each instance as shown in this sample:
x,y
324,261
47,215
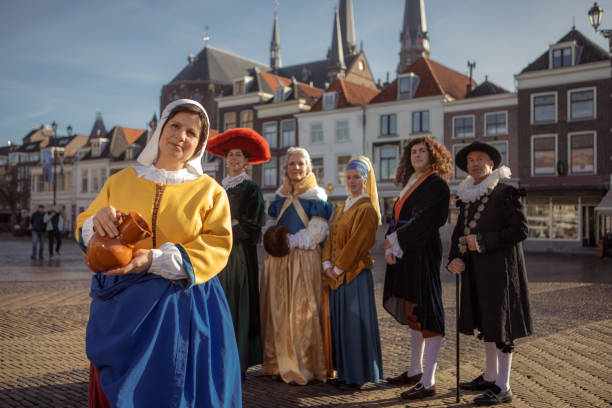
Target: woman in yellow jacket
x,y
347,264
160,331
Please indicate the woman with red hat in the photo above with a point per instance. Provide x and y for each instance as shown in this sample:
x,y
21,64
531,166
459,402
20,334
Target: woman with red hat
x,y
240,278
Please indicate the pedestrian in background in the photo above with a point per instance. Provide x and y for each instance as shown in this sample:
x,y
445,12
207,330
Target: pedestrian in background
x,y
413,251
55,225
39,227
486,249
347,264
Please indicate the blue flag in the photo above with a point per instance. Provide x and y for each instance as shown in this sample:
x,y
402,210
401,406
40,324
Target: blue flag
x,y
47,165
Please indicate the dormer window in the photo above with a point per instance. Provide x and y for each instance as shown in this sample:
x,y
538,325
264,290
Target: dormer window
x,y
562,55
241,84
279,94
330,100
407,85
239,87
97,146
129,153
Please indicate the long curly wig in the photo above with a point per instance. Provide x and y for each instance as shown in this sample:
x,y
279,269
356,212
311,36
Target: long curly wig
x,y
439,157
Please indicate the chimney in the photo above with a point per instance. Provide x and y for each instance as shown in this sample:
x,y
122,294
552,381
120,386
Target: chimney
x,y
191,59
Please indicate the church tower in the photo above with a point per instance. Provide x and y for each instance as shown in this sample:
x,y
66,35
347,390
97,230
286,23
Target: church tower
x,y
275,58
336,67
414,39
347,27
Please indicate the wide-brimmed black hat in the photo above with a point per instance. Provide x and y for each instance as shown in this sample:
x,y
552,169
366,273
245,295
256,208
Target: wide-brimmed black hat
x,y
461,157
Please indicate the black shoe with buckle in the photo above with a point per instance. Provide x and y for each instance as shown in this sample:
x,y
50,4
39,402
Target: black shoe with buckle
x,y
493,396
418,392
477,384
404,379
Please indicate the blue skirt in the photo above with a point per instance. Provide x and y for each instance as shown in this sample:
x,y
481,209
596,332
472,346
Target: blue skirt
x,y
354,325
157,344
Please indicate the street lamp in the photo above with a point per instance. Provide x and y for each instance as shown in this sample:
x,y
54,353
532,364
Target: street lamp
x,y
54,127
595,16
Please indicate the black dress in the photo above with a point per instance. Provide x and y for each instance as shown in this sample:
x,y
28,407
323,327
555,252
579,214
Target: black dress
x,y
416,275
494,295
240,278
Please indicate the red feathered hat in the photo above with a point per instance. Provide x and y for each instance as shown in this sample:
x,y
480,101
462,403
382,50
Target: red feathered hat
x,y
247,140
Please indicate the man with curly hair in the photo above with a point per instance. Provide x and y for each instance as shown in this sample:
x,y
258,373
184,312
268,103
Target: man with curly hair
x,y
413,251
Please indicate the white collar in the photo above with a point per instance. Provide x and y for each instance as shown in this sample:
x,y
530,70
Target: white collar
x,y
350,201
413,178
312,194
229,182
469,192
156,175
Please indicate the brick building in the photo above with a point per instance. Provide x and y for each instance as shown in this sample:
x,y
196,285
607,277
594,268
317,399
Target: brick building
x,y
565,141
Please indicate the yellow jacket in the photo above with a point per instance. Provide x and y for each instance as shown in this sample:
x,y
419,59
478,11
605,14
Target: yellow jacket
x,y
351,235
194,214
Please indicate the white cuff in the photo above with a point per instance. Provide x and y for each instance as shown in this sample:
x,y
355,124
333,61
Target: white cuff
x,y
395,248
294,241
338,271
87,230
318,230
326,265
168,263
301,239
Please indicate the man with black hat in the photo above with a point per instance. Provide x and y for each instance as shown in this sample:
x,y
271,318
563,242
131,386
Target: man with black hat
x,y
486,248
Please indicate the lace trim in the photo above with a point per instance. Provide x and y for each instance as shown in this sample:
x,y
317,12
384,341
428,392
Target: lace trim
x,y
157,175
231,182
469,192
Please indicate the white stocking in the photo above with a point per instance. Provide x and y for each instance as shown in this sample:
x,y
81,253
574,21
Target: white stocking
x,y
503,373
490,373
416,353
432,348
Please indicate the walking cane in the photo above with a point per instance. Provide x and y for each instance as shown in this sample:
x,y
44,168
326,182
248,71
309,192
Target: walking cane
x,y
457,283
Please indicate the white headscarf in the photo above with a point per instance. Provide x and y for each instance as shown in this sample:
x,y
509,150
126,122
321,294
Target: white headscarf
x,y
149,153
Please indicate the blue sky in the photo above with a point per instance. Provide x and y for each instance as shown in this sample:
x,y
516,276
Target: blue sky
x,y
66,60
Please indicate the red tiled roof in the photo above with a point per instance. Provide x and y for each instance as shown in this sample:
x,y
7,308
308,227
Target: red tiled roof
x,y
436,79
131,135
272,80
310,91
349,94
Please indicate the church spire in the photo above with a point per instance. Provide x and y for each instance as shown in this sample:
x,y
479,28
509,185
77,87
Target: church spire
x,y
347,27
335,57
275,59
414,39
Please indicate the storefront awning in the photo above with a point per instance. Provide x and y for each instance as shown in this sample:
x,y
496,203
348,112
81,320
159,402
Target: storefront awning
x,y
605,205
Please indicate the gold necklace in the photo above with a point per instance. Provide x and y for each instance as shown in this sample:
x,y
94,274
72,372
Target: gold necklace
x,y
469,226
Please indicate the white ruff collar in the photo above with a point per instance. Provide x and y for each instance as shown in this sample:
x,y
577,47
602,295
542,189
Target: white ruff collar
x,y
350,201
468,192
230,182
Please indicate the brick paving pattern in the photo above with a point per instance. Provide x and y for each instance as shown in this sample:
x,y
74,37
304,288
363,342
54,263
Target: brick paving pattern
x,y
44,309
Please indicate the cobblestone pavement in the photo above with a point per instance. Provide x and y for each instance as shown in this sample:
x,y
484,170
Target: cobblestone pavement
x,y
566,363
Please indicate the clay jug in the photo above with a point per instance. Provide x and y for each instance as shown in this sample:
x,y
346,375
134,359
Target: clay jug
x,y
104,253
